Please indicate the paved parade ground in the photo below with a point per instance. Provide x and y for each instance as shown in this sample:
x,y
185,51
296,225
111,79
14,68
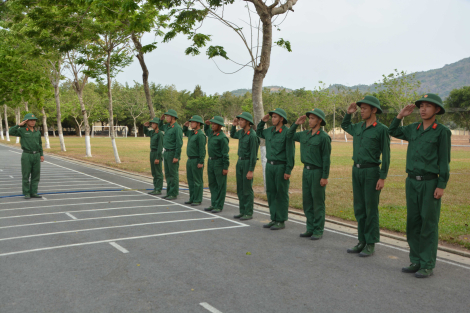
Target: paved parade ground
x,y
96,244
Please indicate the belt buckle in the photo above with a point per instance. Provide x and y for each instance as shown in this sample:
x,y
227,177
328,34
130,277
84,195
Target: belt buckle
x,y
34,152
419,177
272,163
358,165
308,167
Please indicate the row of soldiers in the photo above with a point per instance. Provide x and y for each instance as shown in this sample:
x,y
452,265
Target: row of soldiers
x,y
427,165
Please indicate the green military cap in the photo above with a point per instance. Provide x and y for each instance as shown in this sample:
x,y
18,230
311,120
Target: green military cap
x,y
247,116
372,101
318,113
432,98
30,116
155,120
219,120
279,112
196,118
172,112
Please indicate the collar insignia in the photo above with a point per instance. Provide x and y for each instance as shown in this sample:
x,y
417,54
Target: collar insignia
x,y
419,126
280,130
248,133
195,132
172,126
318,132
218,134
27,129
434,126
375,124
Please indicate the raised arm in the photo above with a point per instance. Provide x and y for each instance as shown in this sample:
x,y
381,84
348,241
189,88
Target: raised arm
x,y
15,131
233,132
207,129
346,125
260,129
397,131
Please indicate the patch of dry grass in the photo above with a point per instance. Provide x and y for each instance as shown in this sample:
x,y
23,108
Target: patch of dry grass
x,y
455,212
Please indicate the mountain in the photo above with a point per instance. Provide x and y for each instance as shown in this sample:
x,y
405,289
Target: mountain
x,y
241,92
440,81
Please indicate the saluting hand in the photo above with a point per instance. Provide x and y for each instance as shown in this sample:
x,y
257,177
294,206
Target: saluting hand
x,y
186,124
301,120
146,124
406,111
235,121
352,108
380,184
22,123
162,117
265,118
207,122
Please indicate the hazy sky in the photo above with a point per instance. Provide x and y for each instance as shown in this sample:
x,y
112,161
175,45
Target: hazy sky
x,y
335,41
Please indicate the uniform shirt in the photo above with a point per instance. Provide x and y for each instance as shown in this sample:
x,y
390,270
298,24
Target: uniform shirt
x,y
173,139
30,138
428,149
277,147
156,140
314,149
196,144
217,146
248,145
369,143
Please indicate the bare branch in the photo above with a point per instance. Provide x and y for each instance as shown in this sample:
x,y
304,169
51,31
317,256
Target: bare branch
x,y
284,7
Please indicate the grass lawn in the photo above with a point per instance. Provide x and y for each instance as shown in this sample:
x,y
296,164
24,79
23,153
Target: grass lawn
x,y
455,212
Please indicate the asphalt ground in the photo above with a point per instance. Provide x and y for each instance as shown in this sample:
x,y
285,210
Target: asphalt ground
x,y
84,248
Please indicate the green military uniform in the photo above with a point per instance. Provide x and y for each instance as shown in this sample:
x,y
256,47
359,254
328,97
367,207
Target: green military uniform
x,y
427,165
280,161
369,143
248,145
218,149
196,152
315,151
31,144
156,153
172,143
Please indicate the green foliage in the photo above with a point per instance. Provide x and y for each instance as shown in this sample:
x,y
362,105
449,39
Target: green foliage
x,y
459,102
284,44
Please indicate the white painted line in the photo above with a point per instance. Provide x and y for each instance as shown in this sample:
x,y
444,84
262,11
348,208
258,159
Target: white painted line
x,y
44,198
48,206
101,228
69,185
93,218
43,183
71,193
209,307
11,176
80,211
119,239
115,245
70,215
61,189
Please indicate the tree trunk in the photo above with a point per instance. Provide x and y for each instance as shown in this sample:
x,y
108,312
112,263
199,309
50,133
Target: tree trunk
x,y
17,117
110,109
135,129
85,120
1,127
53,130
26,106
46,131
6,123
145,73
59,117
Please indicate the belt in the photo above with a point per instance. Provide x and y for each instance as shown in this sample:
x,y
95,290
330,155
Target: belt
x,y
30,152
191,158
240,158
154,150
169,150
276,162
425,177
312,167
367,165
214,158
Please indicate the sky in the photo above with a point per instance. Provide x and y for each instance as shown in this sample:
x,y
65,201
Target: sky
x,y
345,42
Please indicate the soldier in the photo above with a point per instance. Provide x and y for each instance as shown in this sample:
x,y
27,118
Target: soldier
x,y
32,156
315,150
156,158
280,154
248,145
371,140
172,142
196,151
427,165
217,166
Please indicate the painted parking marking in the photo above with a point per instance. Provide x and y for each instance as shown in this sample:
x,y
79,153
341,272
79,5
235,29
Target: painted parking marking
x,y
70,215
120,248
63,199
209,307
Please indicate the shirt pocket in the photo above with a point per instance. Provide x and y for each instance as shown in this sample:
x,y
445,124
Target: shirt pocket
x,y
429,146
371,142
278,144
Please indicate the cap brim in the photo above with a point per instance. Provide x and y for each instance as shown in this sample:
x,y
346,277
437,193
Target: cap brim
x,y
216,122
239,116
418,102
271,114
323,123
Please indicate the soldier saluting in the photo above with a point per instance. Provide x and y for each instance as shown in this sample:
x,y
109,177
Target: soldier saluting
x,y
427,165
32,156
196,151
156,154
248,144
315,151
280,155
218,163
371,140
172,142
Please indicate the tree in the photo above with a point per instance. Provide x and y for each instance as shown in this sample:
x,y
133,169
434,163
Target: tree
x,y
458,102
133,100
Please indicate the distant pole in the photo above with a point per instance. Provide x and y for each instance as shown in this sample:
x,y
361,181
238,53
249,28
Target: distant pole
x,y
334,121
